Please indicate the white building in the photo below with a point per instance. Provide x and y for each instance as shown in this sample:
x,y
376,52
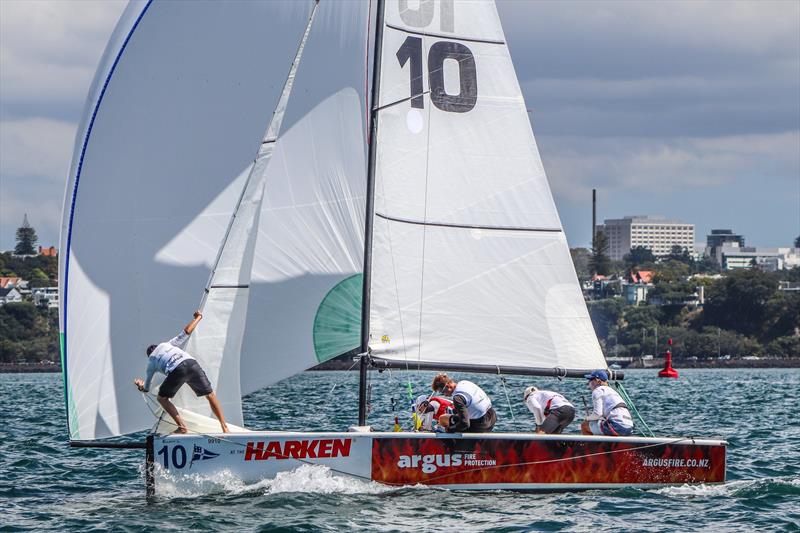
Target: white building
x,y
46,296
732,257
656,233
9,295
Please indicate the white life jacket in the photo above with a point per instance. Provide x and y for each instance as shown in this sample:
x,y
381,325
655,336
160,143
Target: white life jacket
x,y
613,406
476,400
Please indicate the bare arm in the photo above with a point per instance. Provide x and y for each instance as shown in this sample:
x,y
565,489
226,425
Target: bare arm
x,y
198,316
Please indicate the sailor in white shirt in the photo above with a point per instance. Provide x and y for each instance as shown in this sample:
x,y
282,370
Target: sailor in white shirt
x,y
610,416
473,412
169,359
551,410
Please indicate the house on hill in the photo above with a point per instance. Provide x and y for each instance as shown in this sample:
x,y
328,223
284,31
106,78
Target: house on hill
x,y
9,295
638,285
48,252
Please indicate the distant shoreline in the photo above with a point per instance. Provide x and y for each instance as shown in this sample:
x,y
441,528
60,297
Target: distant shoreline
x,y
55,368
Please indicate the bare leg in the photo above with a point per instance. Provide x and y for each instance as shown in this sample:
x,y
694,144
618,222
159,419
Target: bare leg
x,y
173,412
585,428
217,409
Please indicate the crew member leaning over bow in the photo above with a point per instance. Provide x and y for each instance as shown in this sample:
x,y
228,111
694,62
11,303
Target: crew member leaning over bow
x,y
472,408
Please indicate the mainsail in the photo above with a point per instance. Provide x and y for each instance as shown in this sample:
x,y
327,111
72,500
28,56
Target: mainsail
x,y
469,261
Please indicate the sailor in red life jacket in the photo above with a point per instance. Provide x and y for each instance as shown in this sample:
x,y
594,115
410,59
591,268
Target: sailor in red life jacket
x,y
430,409
473,412
610,416
551,410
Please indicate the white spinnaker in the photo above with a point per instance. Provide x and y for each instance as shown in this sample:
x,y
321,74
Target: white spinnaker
x,y
176,112
305,288
217,341
469,261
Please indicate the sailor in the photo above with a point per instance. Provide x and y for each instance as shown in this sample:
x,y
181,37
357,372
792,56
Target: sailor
x,y
610,416
168,358
472,408
551,410
430,409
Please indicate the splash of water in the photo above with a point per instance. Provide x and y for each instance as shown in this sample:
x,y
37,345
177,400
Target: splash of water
x,y
316,479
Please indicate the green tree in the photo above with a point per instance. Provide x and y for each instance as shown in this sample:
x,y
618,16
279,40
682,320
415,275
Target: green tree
x,y
639,321
739,301
580,258
26,239
784,347
605,315
680,254
599,263
672,292
670,271
639,255
28,333
782,315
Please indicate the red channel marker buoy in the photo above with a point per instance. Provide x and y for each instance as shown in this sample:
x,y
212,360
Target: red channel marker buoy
x,y
668,371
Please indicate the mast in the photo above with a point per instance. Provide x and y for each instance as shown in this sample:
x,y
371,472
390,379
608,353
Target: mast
x,y
365,294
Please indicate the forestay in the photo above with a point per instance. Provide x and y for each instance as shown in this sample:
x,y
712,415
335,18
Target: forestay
x,y
177,109
469,261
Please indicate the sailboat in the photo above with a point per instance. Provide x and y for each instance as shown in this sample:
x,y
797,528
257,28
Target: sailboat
x,y
397,210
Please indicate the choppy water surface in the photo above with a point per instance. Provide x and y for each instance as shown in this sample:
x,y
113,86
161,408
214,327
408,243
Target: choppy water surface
x,y
47,486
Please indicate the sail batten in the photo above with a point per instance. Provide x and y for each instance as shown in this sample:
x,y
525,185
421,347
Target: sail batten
x,y
466,226
444,35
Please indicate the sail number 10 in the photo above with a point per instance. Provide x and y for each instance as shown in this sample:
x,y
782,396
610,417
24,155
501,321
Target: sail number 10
x,y
411,51
178,456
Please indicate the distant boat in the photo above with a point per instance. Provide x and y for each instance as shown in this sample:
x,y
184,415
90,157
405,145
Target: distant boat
x,y
460,263
615,366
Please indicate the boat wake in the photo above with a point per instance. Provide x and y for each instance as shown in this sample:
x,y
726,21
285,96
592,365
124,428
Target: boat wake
x,y
315,479
738,488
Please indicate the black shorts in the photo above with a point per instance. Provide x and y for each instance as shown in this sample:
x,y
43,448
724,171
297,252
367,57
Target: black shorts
x,y
189,372
558,419
484,424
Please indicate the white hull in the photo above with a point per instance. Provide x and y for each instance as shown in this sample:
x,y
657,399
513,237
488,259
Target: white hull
x,y
512,461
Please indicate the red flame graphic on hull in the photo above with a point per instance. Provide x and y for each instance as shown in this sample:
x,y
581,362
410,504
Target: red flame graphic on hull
x,y
489,461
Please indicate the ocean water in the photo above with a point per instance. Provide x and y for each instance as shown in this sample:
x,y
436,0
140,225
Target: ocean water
x,y
45,485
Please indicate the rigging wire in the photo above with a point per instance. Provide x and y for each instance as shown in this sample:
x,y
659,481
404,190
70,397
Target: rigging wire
x,y
632,408
335,384
505,390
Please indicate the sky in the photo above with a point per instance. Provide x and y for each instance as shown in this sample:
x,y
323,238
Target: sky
x,y
686,109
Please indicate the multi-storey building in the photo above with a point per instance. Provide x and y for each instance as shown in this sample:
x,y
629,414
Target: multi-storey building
x,y
656,233
734,257
720,237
